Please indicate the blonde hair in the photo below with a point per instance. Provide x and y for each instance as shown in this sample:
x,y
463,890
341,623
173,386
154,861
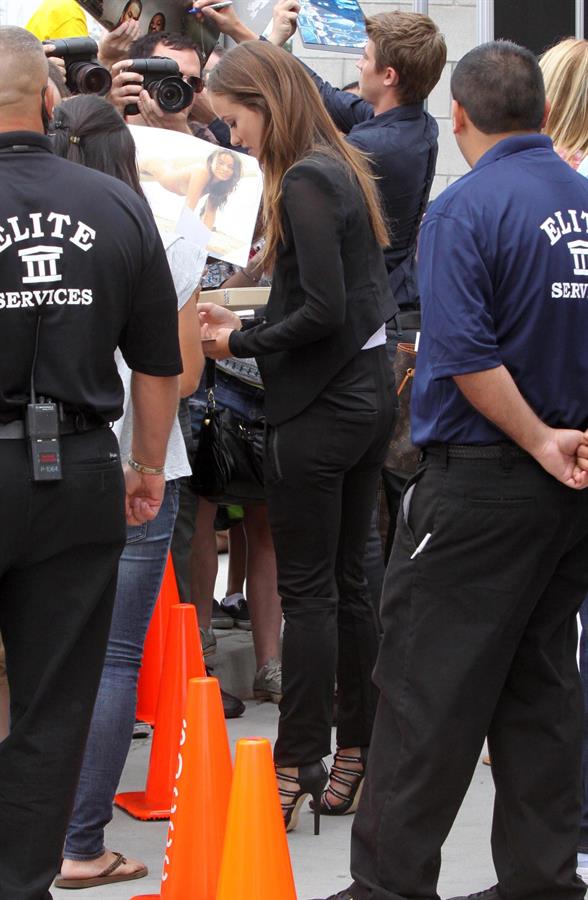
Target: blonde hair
x,y
565,73
262,77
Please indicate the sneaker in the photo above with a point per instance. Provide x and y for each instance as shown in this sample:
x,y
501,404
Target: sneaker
x,y
583,866
220,617
267,684
208,641
236,606
141,730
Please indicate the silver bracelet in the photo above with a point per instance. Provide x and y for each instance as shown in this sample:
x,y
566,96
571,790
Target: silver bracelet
x,y
145,470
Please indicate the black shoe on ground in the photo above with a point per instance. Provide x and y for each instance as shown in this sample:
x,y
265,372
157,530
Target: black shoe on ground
x,y
232,706
488,894
239,612
342,895
220,617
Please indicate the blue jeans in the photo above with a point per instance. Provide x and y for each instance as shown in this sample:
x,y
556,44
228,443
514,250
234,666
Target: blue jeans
x,y
583,846
139,578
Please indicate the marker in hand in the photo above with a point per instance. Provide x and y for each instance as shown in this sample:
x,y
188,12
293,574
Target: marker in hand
x,y
215,6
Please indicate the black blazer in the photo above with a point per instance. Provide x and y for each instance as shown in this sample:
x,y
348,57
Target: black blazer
x,y
329,288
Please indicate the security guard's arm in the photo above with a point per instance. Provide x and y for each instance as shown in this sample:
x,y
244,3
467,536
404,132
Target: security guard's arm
x,y
495,395
155,404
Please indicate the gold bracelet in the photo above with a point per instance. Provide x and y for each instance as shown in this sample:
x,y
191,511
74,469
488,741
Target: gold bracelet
x,y
145,470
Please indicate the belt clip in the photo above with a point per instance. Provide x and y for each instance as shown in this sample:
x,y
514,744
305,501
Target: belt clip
x,y
506,457
444,455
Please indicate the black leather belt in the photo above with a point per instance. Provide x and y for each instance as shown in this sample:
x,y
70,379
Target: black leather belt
x,y
473,451
71,423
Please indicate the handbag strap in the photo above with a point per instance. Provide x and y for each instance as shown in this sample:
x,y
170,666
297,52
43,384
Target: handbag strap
x,y
210,383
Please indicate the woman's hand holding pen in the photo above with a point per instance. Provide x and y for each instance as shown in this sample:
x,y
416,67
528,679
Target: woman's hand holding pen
x,y
216,325
215,342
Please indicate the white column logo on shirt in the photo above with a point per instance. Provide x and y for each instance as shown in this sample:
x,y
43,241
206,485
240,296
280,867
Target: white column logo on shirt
x,y
579,251
41,264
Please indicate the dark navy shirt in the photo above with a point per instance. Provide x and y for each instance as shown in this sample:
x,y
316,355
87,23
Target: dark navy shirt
x,y
503,268
402,144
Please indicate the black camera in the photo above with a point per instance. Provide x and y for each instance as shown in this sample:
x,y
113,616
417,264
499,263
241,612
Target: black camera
x,y
163,82
83,72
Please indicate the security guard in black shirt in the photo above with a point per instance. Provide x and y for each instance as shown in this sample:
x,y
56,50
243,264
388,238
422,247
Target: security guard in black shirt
x,y
82,271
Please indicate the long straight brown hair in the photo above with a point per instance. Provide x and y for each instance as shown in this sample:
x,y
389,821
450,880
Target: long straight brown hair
x,y
264,78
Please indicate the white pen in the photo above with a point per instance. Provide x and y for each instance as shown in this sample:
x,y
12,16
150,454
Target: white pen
x,y
422,545
222,5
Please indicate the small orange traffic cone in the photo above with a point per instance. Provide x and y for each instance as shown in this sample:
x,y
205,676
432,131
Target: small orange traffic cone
x,y
256,862
201,799
182,661
152,664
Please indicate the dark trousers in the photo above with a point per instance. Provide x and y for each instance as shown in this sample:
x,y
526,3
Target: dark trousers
x,y
59,549
322,473
479,639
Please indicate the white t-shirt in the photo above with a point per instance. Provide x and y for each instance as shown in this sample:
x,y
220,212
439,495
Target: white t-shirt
x,y
180,256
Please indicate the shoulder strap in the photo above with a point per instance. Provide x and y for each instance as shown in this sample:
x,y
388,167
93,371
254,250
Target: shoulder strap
x,y
210,372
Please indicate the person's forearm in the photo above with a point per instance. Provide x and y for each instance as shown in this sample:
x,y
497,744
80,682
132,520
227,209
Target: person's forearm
x,y
239,33
190,346
155,405
495,395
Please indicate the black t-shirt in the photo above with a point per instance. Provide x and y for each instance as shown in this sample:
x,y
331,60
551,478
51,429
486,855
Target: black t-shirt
x,y
80,250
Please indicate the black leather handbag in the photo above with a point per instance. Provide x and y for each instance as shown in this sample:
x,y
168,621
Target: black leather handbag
x,y
227,466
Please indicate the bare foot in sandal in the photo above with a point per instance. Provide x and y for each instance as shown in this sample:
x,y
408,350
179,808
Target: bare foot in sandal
x,y
106,869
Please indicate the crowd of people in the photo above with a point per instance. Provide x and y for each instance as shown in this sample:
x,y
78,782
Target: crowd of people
x,y
470,634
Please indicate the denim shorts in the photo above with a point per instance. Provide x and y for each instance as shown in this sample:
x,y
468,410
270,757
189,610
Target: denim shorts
x,y
242,399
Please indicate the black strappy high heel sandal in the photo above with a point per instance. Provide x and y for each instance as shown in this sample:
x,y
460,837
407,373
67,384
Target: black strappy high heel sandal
x,y
349,779
311,780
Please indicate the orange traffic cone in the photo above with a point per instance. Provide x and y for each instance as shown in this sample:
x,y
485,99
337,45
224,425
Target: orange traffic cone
x,y
182,661
256,862
152,664
201,799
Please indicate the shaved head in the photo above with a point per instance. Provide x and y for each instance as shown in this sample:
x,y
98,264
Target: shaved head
x,y
23,75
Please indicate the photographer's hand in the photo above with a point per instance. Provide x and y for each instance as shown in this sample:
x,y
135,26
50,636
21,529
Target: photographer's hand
x,y
155,117
113,46
58,60
226,20
126,86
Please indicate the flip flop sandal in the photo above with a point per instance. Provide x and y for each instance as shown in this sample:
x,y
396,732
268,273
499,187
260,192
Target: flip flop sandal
x,y
108,876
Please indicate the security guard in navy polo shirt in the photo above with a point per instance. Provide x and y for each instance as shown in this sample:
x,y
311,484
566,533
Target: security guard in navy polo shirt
x,y
490,561
82,271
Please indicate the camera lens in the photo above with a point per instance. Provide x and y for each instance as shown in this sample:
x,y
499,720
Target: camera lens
x,y
88,78
172,94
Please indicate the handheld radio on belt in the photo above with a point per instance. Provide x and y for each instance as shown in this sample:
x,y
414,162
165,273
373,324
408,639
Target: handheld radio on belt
x,y
42,428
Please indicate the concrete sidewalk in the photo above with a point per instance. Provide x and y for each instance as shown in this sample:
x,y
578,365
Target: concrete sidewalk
x,y
321,864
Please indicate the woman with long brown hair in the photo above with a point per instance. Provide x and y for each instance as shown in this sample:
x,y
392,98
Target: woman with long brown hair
x,y
329,407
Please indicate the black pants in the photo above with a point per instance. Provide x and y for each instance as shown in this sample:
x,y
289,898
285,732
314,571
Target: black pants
x,y
479,639
59,549
321,478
